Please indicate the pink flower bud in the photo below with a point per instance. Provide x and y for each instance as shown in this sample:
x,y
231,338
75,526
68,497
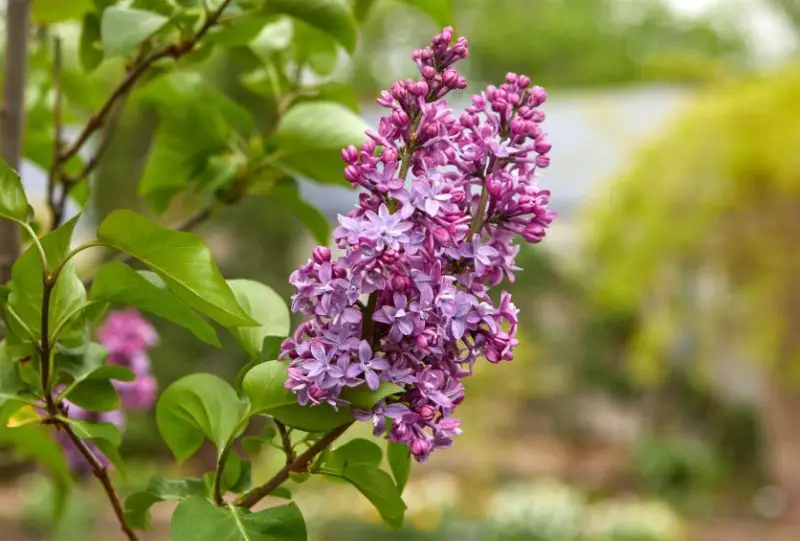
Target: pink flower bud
x,y
426,412
442,236
321,254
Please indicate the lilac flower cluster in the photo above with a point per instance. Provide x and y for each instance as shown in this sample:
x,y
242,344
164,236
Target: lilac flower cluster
x,y
127,336
408,303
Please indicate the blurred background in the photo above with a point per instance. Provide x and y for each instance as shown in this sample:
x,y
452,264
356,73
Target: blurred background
x,y
655,395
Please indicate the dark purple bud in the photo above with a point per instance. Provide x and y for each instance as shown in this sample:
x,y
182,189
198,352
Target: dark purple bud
x,y
428,72
420,448
400,282
422,342
542,160
523,81
420,88
321,254
426,412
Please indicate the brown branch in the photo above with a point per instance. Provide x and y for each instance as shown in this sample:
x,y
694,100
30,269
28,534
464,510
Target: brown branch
x,y
13,116
101,472
55,202
175,51
105,141
299,465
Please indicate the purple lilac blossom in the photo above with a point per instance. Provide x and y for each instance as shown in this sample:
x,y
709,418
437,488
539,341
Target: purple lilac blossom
x,y
127,336
408,303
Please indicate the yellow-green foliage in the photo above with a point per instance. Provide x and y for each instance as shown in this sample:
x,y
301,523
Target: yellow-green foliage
x,y
714,202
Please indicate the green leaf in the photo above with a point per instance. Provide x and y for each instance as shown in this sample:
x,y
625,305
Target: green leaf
x,y
197,122
12,385
91,386
37,442
238,32
117,282
332,91
122,29
364,398
159,489
237,476
357,451
441,11
53,11
331,16
310,138
195,407
309,215
264,306
319,418
105,436
68,295
90,50
13,202
274,37
263,385
197,519
253,444
182,260
314,48
361,9
271,347
399,458
379,489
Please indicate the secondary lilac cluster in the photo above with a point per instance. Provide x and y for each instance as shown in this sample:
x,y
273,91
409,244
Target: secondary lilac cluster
x,y
127,336
409,301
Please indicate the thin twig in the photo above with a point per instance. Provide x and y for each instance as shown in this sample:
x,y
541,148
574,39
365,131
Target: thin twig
x,y
105,140
175,51
286,442
100,471
299,465
218,477
56,202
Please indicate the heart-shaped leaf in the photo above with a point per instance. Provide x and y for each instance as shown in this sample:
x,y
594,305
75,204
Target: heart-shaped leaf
x,y
195,407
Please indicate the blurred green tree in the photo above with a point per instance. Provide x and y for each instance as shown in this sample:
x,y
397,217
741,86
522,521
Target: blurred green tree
x,y
699,238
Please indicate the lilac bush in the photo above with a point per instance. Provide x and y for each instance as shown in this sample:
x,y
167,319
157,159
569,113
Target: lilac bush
x,y
409,301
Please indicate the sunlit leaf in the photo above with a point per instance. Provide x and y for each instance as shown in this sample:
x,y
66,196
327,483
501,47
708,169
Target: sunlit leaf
x,y
181,259
122,29
117,282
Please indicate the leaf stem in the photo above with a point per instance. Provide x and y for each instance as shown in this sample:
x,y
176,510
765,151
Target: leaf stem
x,y
35,238
218,477
286,442
299,465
